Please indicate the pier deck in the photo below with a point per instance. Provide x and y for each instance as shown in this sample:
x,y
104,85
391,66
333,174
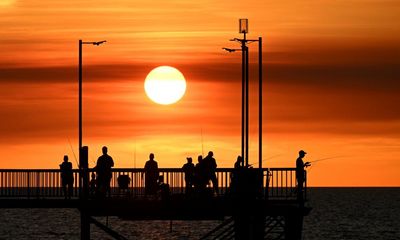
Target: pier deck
x,y
276,200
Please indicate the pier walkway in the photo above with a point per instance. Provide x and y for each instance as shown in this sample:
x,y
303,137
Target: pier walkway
x,y
275,198
45,184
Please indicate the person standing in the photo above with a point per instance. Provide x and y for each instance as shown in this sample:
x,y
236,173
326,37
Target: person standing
x,y
239,163
300,173
211,167
67,177
151,176
200,178
188,169
104,174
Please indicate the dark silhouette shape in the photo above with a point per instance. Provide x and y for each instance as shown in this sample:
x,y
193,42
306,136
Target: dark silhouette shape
x,y
164,189
104,174
210,166
235,176
188,169
123,183
67,177
92,184
200,176
239,162
300,174
151,176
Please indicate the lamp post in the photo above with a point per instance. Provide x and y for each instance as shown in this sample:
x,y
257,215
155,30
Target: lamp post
x,y
243,29
83,156
80,89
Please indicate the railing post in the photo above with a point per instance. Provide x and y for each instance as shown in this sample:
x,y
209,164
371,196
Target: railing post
x,y
305,185
28,185
267,185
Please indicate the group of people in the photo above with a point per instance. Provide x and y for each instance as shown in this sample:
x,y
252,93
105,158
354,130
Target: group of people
x,y
100,182
199,176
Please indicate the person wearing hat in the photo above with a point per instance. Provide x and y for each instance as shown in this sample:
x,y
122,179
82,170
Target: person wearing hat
x,y
300,173
188,169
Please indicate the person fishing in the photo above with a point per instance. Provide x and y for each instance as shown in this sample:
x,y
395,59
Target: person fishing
x,y
67,177
188,169
104,173
300,173
210,166
151,175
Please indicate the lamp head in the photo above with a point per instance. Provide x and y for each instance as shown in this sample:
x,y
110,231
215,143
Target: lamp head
x,y
98,43
229,49
243,25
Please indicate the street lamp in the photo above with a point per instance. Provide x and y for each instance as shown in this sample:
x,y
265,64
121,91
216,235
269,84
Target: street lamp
x,y
244,29
83,154
83,165
80,90
243,25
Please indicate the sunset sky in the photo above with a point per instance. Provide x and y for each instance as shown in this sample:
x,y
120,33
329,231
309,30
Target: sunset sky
x,y
331,83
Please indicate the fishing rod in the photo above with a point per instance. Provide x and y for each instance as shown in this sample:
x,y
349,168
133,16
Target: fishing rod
x,y
202,145
76,160
134,157
274,156
308,164
324,159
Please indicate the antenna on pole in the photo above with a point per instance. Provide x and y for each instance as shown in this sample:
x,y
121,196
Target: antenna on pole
x,y
202,145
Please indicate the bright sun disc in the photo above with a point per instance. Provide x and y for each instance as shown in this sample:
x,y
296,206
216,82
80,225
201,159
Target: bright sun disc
x,y
165,85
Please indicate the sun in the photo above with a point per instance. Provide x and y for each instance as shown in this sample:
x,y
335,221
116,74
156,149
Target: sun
x,y
165,85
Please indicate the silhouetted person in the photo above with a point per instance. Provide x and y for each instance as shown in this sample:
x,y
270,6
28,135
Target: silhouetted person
x,y
104,174
200,176
300,174
92,184
239,162
151,176
67,177
188,169
238,166
211,166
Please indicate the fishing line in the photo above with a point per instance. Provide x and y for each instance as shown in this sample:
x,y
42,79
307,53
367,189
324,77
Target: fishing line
x,y
274,156
76,160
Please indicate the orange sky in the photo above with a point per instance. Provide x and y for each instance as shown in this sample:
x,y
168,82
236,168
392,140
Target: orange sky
x,y
331,83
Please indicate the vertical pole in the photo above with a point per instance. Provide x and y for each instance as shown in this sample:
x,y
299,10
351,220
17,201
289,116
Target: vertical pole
x,y
85,222
243,94
84,176
247,106
80,98
260,102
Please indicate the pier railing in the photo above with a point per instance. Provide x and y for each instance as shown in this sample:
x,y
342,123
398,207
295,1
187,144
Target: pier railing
x,y
277,183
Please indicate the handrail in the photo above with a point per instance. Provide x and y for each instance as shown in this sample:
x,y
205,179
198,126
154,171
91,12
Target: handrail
x,y
277,183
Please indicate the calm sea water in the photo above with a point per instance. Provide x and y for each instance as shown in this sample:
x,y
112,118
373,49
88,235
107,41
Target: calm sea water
x,y
338,213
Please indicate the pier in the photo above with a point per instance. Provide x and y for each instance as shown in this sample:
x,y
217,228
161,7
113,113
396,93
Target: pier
x,y
270,208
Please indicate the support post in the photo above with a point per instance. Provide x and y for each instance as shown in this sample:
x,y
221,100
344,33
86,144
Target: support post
x,y
80,99
247,105
260,92
84,185
243,95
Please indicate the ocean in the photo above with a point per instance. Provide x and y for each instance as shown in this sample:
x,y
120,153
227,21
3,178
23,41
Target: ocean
x,y
338,213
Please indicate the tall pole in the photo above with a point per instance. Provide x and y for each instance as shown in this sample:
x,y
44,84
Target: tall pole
x,y
83,157
80,100
247,105
243,94
260,64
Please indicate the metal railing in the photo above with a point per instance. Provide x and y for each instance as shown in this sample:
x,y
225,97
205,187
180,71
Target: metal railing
x,y
278,183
